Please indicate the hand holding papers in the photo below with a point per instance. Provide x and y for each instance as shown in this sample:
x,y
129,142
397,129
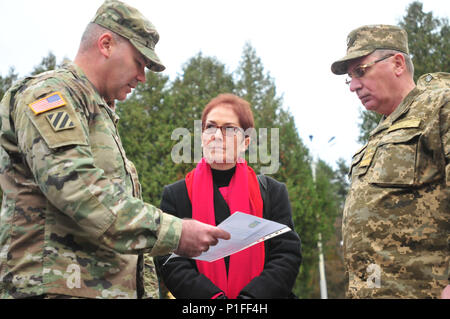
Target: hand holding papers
x,y
245,230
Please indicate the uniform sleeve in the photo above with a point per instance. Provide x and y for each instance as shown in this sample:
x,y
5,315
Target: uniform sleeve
x,y
180,275
445,134
62,164
283,252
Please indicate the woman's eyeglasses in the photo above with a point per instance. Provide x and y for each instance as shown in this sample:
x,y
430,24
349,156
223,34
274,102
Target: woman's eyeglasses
x,y
227,130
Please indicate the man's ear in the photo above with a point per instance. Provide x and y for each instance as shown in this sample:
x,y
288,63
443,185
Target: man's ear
x,y
399,64
105,44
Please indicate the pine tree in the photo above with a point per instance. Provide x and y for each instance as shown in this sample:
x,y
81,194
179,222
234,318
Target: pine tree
x,y
146,122
428,39
48,63
203,79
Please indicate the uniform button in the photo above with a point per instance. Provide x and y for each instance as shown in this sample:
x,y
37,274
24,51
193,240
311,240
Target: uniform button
x,y
428,78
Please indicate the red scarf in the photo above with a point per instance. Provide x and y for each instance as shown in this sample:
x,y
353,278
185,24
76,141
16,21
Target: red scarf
x,y
244,196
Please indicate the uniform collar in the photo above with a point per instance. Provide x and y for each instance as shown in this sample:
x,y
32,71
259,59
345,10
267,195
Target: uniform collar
x,y
386,121
79,74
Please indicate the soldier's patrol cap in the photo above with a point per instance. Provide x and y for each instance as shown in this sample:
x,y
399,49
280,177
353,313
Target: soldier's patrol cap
x,y
128,22
366,39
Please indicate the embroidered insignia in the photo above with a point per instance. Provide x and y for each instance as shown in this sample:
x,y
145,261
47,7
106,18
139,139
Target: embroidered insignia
x,y
47,103
60,121
412,123
367,159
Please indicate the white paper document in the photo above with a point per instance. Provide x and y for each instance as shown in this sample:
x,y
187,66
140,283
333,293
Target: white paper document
x,y
245,230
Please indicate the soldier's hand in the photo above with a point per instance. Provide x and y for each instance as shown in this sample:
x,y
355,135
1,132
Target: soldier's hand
x,y
197,237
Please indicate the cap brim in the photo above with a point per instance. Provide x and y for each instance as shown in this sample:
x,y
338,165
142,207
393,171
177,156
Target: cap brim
x,y
155,63
340,67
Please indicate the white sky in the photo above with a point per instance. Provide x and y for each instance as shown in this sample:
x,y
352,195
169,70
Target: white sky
x,y
296,40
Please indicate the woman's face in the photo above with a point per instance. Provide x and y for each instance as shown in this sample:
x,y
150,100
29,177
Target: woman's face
x,y
223,139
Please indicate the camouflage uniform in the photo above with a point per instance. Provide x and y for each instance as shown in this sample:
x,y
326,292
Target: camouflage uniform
x,y
396,224
72,220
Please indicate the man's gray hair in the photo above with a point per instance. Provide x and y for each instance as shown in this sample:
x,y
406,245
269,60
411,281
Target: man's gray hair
x,y
408,61
92,33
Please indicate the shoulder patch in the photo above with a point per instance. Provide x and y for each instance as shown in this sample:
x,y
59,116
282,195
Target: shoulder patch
x,y
411,123
50,102
60,121
61,127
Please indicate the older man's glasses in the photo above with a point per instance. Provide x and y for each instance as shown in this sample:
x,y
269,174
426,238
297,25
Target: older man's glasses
x,y
360,70
228,130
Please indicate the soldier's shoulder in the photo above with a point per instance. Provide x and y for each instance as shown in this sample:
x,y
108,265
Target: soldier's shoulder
x,y
434,81
434,90
35,87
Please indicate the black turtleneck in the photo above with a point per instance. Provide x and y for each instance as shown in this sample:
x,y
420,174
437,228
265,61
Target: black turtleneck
x,y
222,211
222,178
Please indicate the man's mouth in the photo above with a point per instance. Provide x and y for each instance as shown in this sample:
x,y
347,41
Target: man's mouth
x,y
364,98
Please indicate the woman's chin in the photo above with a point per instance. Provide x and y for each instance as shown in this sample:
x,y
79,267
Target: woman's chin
x,y
220,161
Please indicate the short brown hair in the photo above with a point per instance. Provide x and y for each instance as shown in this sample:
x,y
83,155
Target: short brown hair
x,y
240,106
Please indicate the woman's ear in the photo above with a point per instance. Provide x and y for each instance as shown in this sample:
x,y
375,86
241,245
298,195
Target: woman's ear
x,y
247,142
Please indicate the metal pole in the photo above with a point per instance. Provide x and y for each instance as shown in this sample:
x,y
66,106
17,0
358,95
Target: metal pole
x,y
323,280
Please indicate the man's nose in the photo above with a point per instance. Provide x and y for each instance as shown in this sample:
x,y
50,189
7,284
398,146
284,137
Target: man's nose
x,y
355,84
141,77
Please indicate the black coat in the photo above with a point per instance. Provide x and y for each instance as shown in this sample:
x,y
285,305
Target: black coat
x,y
282,253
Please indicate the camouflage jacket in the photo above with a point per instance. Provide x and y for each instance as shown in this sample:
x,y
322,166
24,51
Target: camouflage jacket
x,y
72,221
396,223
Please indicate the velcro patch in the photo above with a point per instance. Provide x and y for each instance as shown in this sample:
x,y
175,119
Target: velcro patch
x,y
60,121
47,103
412,123
368,156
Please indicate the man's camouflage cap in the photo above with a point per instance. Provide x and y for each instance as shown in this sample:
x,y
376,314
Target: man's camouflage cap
x,y
131,24
366,39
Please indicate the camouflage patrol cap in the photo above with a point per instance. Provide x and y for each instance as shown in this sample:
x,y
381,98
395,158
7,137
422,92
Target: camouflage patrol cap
x,y
131,24
366,39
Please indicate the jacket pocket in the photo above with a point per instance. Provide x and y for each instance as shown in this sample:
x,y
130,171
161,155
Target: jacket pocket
x,y
395,160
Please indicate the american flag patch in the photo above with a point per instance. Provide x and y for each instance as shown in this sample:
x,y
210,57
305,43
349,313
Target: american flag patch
x,y
48,103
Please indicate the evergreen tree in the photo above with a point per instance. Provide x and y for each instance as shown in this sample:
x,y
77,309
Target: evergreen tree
x,y
146,122
203,79
369,121
48,63
428,39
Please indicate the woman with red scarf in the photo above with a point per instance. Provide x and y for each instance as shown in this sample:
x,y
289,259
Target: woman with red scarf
x,y
221,184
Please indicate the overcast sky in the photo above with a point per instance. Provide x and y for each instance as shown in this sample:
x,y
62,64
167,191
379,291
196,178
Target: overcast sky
x,y
296,40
